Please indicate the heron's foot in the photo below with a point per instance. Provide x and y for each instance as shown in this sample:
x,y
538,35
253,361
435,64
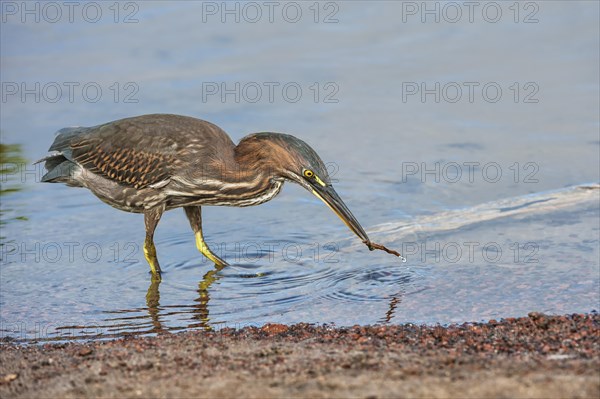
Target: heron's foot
x,y
205,250
150,254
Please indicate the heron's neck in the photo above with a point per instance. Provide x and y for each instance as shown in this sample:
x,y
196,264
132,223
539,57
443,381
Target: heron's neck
x,y
245,176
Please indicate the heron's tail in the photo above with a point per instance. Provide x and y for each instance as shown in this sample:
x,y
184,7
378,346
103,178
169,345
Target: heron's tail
x,y
63,138
58,164
60,170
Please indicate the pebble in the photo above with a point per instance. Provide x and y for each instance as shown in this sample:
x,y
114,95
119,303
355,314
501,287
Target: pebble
x,y
85,352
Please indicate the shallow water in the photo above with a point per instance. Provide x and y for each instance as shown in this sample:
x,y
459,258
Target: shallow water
x,y
480,196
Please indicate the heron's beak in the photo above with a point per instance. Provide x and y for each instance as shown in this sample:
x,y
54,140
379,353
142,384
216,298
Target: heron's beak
x,y
328,195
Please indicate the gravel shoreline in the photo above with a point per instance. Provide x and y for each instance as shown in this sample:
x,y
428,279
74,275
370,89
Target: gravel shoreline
x,y
536,356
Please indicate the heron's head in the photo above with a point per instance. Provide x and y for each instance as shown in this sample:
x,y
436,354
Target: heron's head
x,y
290,158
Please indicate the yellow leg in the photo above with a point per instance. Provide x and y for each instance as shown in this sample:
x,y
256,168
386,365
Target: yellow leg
x,y
205,250
151,218
194,215
150,253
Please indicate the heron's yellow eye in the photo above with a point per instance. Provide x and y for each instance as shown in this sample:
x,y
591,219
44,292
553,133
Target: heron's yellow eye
x,y
309,173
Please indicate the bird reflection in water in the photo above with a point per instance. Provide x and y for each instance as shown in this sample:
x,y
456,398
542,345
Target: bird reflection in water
x,y
394,302
199,311
155,318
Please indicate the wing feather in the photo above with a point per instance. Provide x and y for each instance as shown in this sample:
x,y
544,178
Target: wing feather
x,y
144,151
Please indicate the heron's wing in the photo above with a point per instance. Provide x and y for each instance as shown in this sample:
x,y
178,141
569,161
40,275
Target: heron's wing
x,y
146,150
124,153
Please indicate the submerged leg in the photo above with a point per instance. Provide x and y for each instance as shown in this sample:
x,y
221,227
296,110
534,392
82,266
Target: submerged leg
x,y
194,215
151,219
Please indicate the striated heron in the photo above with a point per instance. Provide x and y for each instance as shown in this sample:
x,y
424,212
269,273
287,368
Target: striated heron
x,y
153,163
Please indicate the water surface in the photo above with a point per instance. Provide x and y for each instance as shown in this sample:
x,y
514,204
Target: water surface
x,y
420,175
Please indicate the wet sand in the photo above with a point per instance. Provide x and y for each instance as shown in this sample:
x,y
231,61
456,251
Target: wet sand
x,y
536,356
